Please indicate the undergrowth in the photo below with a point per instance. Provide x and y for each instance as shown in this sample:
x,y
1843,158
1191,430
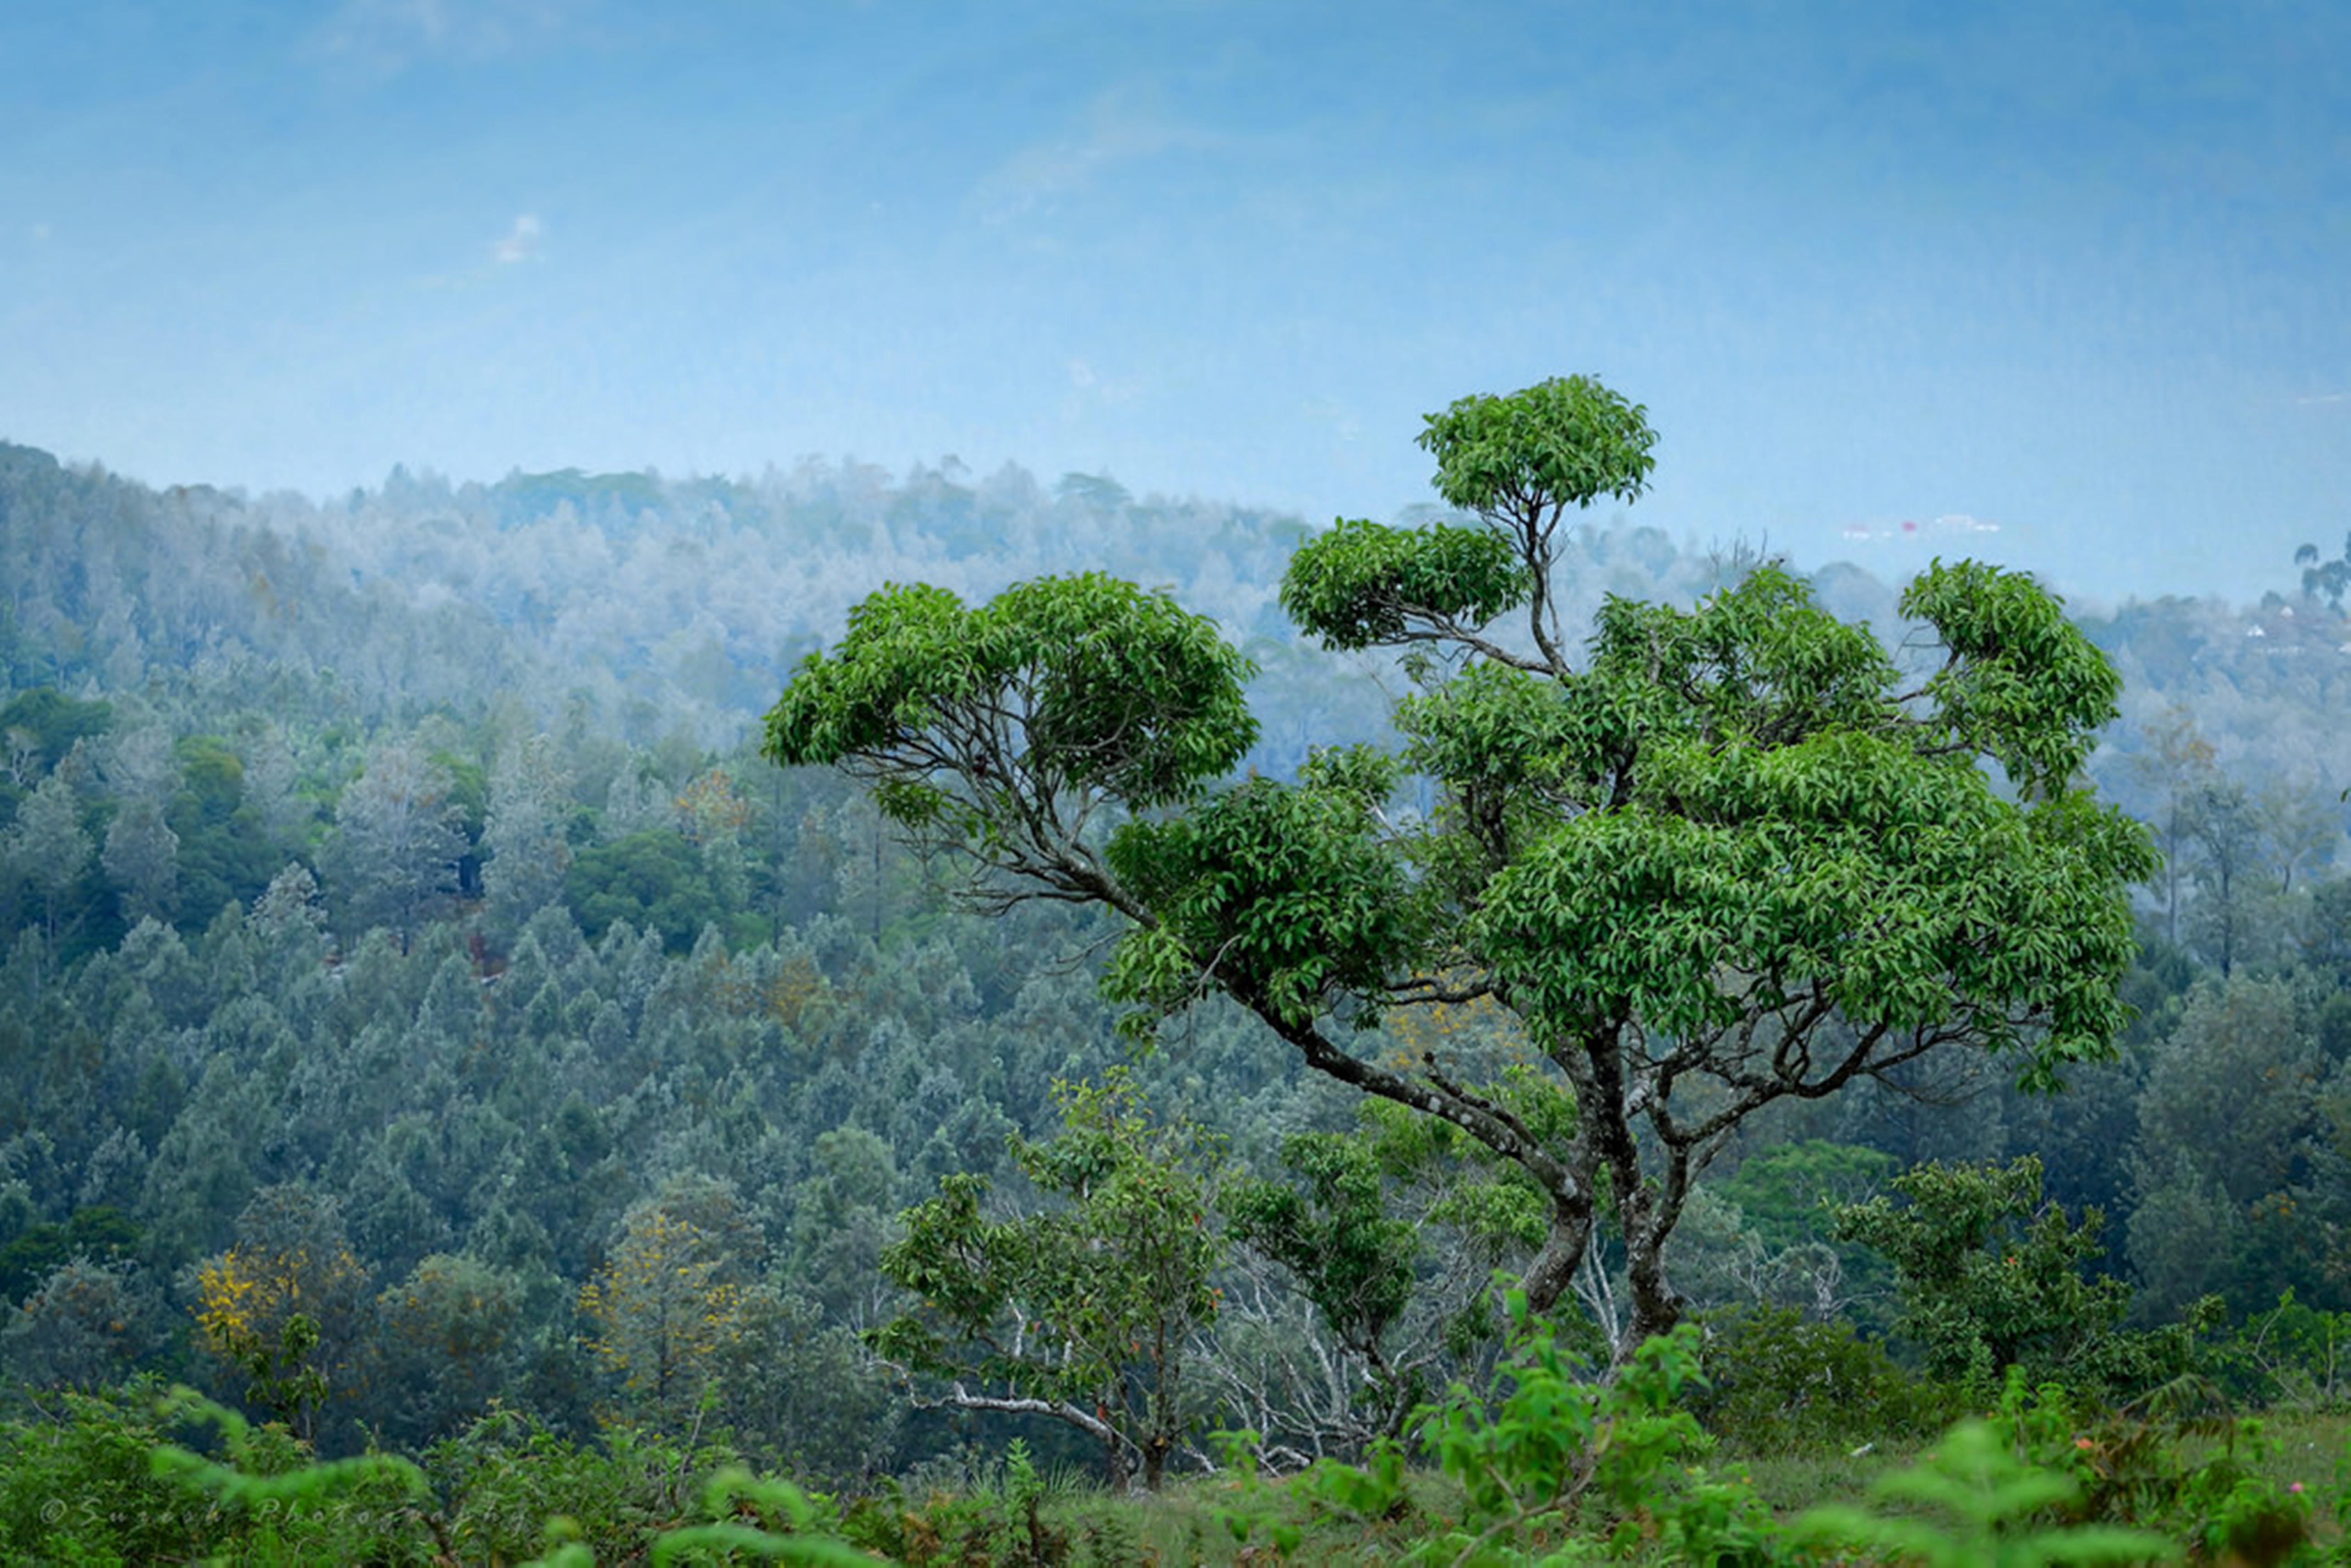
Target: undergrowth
x,y
1551,1464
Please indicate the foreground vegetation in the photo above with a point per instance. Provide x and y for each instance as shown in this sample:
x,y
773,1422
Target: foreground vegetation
x,y
1551,1464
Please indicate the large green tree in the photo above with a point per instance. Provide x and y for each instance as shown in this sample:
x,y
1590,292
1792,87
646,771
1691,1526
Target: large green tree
x,y
1723,856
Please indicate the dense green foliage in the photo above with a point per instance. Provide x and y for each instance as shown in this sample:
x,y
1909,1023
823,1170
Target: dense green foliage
x,y
1058,686
1990,1278
1547,1465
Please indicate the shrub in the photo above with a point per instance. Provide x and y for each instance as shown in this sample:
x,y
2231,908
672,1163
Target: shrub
x,y
75,1485
2177,1459
1775,1382
2290,1357
280,1505
1973,1503
1990,1277
509,1485
1560,1450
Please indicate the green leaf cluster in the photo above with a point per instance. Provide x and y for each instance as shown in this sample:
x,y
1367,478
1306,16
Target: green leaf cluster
x,y
1566,441
1991,1275
2022,683
1333,1232
1777,1382
1740,809
1560,1465
1974,1504
1556,1433
1087,1303
1363,584
1286,895
1080,683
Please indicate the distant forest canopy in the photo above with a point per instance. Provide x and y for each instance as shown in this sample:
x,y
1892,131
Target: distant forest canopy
x,y
391,882
651,607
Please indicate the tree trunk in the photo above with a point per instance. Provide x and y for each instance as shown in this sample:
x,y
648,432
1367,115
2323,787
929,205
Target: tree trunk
x,y
1650,1215
1657,1306
1547,1278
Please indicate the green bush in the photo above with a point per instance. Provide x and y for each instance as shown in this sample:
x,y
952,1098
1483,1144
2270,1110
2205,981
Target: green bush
x,y
1972,1503
75,1486
280,1506
1559,1456
146,1475
2177,1459
997,1517
507,1482
763,1518
1990,1277
1774,1383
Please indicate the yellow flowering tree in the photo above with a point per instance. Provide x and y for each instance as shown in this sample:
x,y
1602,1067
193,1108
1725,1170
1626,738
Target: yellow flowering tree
x,y
285,1305
667,1306
264,1312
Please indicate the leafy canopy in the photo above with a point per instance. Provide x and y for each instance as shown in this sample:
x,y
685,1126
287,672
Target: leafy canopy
x,y
1568,440
1708,857
1066,683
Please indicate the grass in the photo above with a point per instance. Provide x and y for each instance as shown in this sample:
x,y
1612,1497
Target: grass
x,y
1791,1483
2310,1446
1186,1522
971,1514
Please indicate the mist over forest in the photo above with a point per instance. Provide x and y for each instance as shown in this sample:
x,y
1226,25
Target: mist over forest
x,y
399,917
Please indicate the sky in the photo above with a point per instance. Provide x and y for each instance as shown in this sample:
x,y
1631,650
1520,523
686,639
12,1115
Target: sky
x,y
2064,284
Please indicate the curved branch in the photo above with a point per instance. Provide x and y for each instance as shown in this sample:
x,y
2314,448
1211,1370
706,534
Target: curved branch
x,y
1471,1114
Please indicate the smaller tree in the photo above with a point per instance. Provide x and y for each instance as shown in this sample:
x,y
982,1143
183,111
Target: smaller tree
x,y
141,859
86,1327
2175,765
284,1306
2231,1130
1990,1276
841,1222
1392,1233
1082,1311
1333,1234
449,1343
46,847
805,1396
668,1303
2324,579
524,833
398,840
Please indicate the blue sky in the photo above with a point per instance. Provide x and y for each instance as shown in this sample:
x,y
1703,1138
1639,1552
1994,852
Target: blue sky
x,y
2079,270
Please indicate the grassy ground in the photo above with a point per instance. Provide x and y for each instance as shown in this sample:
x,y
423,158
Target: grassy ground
x,y
1187,1523
2300,1464
2309,1448
1191,1521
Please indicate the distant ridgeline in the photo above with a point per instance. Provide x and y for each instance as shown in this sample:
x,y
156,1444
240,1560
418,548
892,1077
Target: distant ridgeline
x,y
647,607
226,683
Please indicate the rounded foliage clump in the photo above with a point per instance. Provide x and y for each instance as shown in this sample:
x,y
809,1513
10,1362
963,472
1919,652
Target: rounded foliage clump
x,y
1775,1383
1079,683
1566,441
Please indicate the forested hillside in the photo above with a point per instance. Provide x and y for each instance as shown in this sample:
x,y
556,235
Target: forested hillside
x,y
403,931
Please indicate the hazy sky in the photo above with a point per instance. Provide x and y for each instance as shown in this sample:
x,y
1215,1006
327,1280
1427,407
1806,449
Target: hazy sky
x,y
2082,270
